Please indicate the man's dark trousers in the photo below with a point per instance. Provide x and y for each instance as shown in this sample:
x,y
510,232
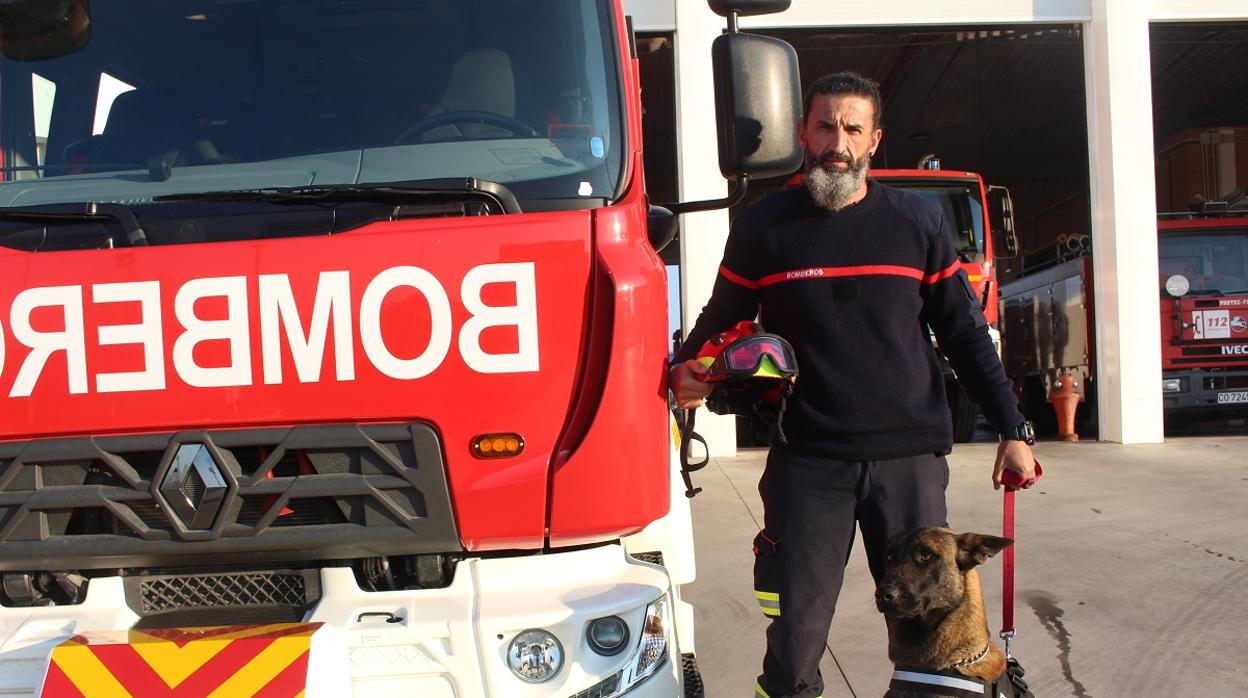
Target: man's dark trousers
x,y
810,507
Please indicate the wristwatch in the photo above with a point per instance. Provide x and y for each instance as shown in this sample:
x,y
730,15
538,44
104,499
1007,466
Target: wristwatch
x,y
1024,431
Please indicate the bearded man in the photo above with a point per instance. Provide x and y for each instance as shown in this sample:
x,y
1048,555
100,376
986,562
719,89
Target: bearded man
x,y
852,273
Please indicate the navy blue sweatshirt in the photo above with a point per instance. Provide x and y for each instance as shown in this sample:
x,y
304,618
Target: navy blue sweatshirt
x,y
853,291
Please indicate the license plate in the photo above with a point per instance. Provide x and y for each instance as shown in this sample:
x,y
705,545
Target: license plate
x,y
1233,398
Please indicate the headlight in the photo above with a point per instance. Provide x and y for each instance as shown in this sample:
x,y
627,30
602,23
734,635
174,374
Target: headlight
x,y
1172,385
649,655
607,636
535,656
652,650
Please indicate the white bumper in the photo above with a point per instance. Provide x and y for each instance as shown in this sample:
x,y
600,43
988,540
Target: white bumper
x,y
445,643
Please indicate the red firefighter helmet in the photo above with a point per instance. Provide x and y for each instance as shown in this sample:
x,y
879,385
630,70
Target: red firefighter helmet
x,y
753,373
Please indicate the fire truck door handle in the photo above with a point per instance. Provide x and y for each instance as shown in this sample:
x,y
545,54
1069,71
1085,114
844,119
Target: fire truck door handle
x,y
390,617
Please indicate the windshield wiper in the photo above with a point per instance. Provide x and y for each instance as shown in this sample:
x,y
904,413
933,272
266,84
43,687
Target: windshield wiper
x,y
419,190
86,212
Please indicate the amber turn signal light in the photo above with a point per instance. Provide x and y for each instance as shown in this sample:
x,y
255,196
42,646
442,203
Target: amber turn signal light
x,y
497,445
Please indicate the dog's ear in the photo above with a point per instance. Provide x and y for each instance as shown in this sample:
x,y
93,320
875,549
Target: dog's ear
x,y
975,548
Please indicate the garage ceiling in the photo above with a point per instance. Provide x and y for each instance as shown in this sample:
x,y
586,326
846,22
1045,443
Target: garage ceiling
x,y
1010,100
997,100
1199,76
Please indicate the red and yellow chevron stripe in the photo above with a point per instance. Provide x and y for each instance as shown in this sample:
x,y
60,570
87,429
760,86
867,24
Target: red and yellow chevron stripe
x,y
265,661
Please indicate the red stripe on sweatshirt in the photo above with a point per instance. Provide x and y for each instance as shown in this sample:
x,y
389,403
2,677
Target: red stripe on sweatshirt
x,y
841,272
737,278
942,274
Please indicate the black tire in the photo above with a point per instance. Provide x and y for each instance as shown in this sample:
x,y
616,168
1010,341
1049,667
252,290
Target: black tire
x,y
965,413
693,677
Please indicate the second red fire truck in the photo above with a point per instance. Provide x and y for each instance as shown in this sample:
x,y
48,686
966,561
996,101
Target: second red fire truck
x,y
1203,285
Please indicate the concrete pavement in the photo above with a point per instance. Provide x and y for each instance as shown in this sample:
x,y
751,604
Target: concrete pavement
x,y
1132,572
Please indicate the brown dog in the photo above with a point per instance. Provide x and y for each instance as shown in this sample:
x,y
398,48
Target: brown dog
x,y
933,605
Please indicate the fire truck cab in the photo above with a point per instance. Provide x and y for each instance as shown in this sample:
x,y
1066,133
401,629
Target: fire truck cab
x,y
1203,275
333,344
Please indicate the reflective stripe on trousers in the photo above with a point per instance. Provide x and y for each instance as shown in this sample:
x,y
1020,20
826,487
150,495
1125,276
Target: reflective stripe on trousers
x,y
768,602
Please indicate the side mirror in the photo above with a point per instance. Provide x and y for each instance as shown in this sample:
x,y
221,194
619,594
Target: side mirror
x,y
1001,220
661,226
35,30
757,105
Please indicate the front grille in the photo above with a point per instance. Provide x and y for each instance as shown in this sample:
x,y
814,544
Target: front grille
x,y
263,596
244,589
161,594
1227,382
653,557
305,493
1194,358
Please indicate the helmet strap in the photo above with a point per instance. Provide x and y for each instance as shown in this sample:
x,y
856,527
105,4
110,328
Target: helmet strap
x,y
775,418
687,437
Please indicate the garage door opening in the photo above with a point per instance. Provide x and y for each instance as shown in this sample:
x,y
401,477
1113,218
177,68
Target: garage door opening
x,y
1007,102
1200,114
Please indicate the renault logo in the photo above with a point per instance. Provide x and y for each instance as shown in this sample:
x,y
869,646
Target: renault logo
x,y
194,486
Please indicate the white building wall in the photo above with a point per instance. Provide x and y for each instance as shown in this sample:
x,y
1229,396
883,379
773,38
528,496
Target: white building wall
x,y
697,157
652,15
1197,10
660,15
1124,223
1120,146
886,13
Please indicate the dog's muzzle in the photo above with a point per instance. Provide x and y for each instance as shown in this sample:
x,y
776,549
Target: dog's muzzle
x,y
887,598
895,602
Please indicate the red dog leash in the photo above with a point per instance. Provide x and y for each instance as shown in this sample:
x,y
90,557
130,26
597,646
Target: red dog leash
x,y
1013,482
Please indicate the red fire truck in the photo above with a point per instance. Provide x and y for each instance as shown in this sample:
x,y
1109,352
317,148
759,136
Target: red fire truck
x,y
1203,282
981,218
332,347
1204,315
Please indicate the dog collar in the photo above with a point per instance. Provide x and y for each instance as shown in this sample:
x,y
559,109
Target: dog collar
x,y
971,660
951,683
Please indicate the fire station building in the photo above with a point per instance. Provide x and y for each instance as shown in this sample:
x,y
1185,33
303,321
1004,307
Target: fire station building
x,y
1097,114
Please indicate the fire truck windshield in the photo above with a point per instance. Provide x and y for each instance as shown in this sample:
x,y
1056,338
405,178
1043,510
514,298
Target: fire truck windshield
x,y
1212,264
167,97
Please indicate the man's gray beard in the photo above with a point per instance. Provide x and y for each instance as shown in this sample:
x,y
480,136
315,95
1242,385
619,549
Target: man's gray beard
x,y
832,188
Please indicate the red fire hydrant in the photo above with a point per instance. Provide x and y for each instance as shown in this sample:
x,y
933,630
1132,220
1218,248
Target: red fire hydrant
x,y
1065,401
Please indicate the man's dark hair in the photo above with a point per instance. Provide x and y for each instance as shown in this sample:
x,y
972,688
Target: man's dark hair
x,y
845,83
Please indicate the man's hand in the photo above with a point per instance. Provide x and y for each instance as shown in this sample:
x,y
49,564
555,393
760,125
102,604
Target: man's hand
x,y
685,381
1016,456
